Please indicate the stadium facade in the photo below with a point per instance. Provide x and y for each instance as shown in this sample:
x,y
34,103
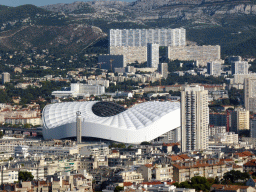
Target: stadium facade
x,y
105,120
141,37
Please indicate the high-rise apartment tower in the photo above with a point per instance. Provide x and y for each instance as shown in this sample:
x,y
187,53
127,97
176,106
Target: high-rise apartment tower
x,y
250,94
152,55
194,118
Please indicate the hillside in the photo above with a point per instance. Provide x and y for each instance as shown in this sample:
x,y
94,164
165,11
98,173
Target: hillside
x,y
21,12
72,38
229,23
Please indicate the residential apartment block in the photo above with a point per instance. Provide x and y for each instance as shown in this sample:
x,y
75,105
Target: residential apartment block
x,y
152,55
194,118
141,37
204,168
214,68
239,67
202,54
250,94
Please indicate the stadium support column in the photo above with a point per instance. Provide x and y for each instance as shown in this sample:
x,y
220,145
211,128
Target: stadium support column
x,y
78,127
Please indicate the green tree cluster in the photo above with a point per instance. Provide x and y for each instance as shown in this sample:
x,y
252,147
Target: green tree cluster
x,y
198,183
235,176
25,176
117,145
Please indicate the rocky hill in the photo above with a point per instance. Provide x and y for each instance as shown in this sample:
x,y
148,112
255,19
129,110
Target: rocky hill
x,y
72,38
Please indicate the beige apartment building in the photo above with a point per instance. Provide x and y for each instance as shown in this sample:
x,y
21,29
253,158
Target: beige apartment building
x,y
130,176
204,168
156,172
240,120
162,173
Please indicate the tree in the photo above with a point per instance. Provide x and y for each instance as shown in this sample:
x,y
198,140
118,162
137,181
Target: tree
x,y
234,176
145,143
118,188
198,183
27,126
1,134
25,176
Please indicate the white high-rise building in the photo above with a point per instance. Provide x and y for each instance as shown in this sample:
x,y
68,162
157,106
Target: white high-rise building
x,y
240,67
194,118
141,37
214,68
152,55
5,78
163,69
250,94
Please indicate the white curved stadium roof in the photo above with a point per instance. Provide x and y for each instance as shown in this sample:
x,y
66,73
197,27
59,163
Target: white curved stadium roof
x,y
143,122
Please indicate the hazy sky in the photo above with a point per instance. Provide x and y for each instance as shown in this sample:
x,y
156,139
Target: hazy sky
x,y
15,3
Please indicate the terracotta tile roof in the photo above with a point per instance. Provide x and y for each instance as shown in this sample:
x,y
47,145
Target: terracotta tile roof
x,y
114,151
228,187
244,154
149,165
175,158
237,166
170,183
170,144
251,163
226,160
184,156
127,184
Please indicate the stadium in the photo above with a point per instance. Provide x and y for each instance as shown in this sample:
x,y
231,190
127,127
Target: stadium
x,y
109,121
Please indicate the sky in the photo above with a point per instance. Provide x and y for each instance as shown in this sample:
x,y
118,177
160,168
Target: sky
x,y
15,3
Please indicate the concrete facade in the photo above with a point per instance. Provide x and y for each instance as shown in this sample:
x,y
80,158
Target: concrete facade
x,y
202,54
163,69
214,68
250,94
152,55
140,37
131,54
239,67
194,118
240,120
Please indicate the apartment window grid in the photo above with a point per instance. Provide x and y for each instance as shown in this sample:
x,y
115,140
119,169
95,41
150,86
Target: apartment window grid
x,y
140,37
